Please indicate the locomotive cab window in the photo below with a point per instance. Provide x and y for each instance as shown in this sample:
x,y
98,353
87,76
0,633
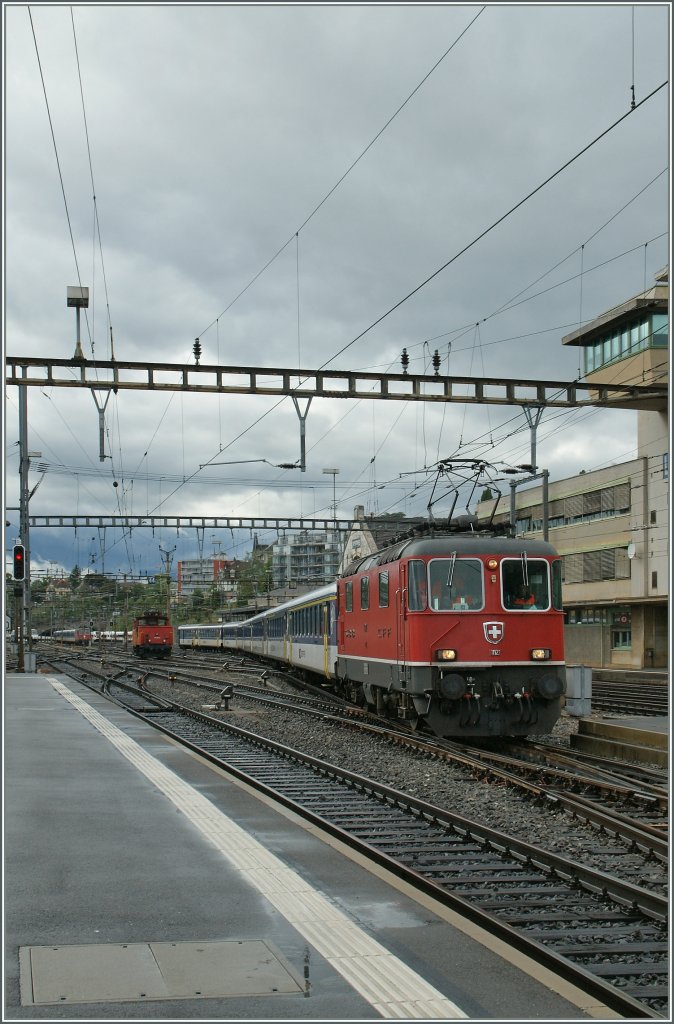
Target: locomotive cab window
x,y
383,589
525,583
365,592
456,584
556,569
348,596
417,589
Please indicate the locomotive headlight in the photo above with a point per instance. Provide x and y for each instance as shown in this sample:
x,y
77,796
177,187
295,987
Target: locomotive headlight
x,y
445,654
540,654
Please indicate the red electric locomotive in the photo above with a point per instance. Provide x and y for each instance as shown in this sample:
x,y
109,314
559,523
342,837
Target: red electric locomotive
x,y
152,635
463,633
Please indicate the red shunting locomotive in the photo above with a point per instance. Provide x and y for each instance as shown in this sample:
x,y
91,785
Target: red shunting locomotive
x,y
463,634
152,636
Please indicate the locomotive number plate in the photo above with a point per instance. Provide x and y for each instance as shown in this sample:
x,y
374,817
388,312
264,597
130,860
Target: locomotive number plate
x,y
495,654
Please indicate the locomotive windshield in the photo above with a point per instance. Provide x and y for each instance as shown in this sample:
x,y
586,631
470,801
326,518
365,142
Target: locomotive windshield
x,y
456,584
525,583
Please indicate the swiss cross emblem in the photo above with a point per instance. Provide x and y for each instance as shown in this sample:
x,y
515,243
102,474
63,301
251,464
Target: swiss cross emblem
x,y
493,632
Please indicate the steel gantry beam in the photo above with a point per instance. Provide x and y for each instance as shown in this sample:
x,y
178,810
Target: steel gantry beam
x,y
374,524
111,374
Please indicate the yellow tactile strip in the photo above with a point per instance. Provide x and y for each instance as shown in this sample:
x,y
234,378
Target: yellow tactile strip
x,y
384,981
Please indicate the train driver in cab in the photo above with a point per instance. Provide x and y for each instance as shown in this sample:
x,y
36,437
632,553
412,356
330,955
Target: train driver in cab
x,y
524,597
459,589
466,589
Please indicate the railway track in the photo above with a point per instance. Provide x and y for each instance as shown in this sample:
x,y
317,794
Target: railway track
x,y
606,936
635,805
638,813
634,814
601,933
630,698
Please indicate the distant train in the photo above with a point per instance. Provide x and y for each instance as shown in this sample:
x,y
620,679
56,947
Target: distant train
x,y
152,635
80,636
112,635
462,634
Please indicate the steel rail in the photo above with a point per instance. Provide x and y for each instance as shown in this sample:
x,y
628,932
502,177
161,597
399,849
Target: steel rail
x,y
633,899
638,905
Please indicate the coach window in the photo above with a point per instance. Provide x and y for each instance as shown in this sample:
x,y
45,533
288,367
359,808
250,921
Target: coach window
x,y
348,596
383,589
365,592
417,586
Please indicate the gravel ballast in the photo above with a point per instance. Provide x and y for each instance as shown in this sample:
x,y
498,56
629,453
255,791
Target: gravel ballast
x,y
446,785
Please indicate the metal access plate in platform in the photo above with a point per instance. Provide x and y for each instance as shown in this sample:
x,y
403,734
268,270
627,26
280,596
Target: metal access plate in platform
x,y
120,972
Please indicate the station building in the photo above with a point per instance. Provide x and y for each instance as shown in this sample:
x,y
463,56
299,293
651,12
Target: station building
x,y
611,525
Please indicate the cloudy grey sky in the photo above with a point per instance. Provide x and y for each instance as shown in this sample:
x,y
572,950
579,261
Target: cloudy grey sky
x,y
215,132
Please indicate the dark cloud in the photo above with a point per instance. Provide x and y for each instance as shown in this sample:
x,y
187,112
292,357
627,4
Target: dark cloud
x,y
215,132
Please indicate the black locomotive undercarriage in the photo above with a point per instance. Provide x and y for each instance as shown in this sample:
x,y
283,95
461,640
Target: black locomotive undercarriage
x,y
459,701
152,651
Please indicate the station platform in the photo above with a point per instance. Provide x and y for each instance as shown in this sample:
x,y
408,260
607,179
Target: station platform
x,y
643,738
141,882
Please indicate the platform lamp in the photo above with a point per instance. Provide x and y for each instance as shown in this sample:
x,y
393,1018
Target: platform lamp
x,y
79,298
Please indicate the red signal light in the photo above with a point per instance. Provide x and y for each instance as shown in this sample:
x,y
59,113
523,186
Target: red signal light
x,y
19,562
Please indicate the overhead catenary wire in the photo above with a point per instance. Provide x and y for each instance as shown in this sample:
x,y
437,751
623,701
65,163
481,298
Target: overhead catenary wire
x,y
56,154
258,420
296,235
347,172
91,174
491,227
298,346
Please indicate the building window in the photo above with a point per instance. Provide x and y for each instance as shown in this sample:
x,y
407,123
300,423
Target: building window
x,y
665,466
627,341
654,516
587,617
623,565
654,581
621,617
660,330
592,566
621,639
589,359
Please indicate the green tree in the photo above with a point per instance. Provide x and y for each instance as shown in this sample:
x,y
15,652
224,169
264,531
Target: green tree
x,y
75,578
254,577
37,590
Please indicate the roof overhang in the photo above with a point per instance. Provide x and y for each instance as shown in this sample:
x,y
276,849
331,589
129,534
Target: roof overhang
x,y
620,316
